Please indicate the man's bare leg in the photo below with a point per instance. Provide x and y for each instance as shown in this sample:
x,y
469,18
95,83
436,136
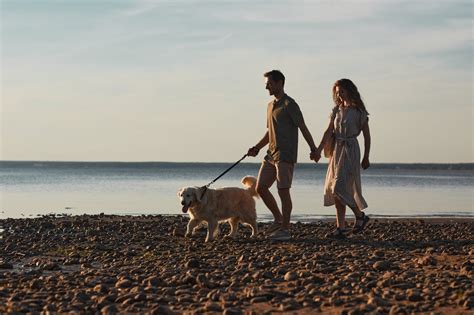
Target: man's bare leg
x,y
270,202
286,207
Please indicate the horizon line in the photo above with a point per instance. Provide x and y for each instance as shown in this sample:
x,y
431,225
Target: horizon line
x,y
196,162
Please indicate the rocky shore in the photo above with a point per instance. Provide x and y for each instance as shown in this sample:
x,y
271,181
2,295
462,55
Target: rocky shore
x,y
109,264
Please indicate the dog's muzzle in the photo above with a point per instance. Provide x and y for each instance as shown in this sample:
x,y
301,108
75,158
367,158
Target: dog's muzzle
x,y
185,207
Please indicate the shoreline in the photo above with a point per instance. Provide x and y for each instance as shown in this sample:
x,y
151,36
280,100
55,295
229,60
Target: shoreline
x,y
143,264
298,218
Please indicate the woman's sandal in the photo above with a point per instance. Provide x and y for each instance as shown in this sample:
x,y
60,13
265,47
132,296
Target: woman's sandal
x,y
360,223
338,233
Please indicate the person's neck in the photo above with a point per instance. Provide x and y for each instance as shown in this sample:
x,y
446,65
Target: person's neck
x,y
279,95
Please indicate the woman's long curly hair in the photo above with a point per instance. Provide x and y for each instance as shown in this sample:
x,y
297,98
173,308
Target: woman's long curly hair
x,y
352,95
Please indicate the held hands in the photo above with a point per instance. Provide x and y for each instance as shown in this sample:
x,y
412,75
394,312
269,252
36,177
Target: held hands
x,y
253,151
365,163
315,156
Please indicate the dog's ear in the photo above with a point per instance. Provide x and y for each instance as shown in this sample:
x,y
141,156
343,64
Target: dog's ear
x,y
180,192
198,194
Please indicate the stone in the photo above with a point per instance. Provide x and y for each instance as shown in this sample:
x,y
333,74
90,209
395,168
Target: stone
x,y
50,308
212,307
192,263
336,301
388,275
258,299
125,283
469,303
377,301
379,253
290,276
413,295
201,279
152,281
232,311
100,288
426,261
36,284
140,297
382,265
162,310
51,266
109,309
6,265
81,296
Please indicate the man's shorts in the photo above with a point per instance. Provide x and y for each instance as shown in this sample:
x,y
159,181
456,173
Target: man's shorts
x,y
270,171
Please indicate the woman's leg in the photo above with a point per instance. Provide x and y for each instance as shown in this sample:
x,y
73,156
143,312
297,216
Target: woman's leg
x,y
340,214
361,220
357,212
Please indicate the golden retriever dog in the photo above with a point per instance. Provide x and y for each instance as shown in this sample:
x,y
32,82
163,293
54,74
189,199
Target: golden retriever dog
x,y
230,204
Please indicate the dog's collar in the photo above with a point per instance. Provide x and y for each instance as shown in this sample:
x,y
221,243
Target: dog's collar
x,y
204,188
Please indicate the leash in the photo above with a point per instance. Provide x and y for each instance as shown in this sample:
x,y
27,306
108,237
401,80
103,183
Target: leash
x,y
225,172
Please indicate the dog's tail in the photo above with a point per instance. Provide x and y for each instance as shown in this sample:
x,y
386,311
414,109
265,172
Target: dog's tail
x,y
250,182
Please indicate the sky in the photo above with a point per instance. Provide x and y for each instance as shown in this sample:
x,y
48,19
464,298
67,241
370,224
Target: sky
x,y
183,80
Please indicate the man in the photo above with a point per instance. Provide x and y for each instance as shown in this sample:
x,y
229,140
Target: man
x,y
283,120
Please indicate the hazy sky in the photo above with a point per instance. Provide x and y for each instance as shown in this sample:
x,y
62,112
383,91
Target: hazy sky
x,y
182,80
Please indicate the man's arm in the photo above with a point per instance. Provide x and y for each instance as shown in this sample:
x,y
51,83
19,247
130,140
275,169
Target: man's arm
x,y
309,139
263,142
253,151
297,117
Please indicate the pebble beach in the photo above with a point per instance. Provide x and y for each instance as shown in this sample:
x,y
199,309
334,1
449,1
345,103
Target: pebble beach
x,y
105,264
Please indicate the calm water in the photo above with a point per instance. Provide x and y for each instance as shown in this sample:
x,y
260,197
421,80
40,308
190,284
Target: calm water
x,y
32,188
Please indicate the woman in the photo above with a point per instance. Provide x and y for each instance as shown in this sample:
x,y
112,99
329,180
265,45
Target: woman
x,y
343,184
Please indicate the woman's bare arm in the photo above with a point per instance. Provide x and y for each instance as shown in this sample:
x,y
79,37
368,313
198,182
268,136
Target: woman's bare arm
x,y
327,134
366,132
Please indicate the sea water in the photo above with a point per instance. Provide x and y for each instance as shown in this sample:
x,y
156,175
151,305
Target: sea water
x,y
33,188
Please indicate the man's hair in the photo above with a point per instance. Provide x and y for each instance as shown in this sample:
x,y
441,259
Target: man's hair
x,y
275,75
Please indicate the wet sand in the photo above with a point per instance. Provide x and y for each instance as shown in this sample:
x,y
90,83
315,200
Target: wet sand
x,y
108,264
